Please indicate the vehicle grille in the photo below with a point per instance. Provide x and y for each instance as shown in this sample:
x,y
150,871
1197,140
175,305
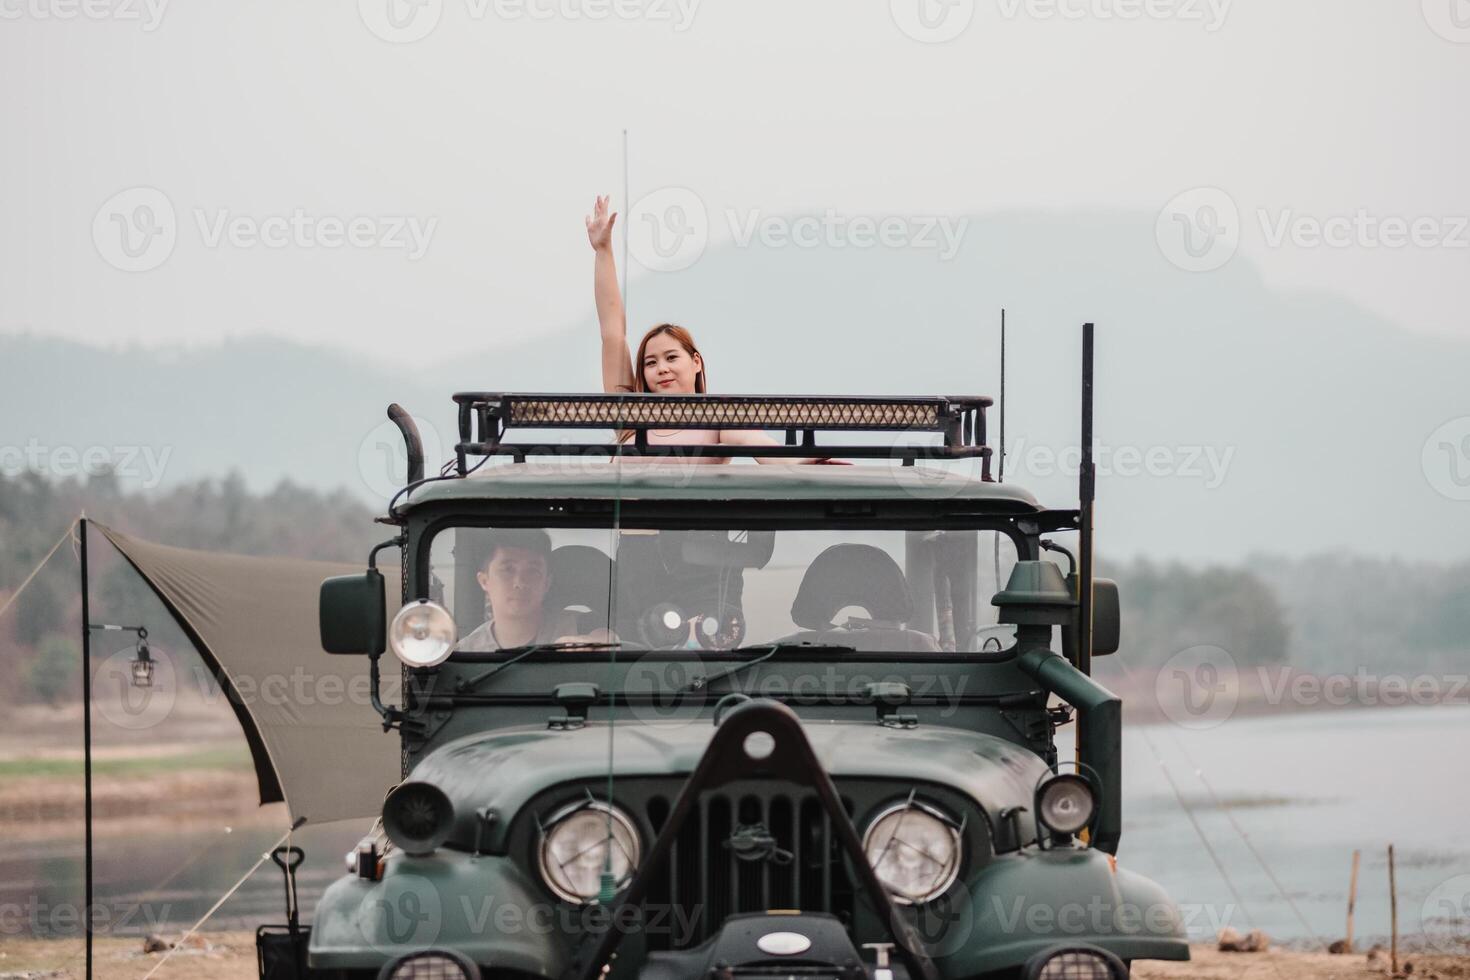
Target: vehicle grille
x,y
705,880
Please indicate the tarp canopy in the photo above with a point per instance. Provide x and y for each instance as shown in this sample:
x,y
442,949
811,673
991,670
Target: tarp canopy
x,y
317,743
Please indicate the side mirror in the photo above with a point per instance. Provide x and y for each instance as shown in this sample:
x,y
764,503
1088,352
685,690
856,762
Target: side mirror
x,y
354,614
1107,620
1107,617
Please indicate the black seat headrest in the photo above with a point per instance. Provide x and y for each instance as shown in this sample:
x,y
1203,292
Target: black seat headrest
x,y
852,575
579,577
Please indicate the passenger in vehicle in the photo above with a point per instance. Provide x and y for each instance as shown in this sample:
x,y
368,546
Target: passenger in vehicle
x,y
667,362
516,576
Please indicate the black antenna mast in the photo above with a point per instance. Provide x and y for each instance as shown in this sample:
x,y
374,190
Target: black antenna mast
x,y
1087,490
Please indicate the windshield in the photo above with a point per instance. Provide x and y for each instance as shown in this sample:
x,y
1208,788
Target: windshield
x,y
879,590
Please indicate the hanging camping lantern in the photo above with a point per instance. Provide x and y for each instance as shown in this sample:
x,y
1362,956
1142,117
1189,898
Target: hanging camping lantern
x,y
142,665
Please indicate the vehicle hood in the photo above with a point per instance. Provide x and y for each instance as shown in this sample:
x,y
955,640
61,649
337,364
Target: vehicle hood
x,y
503,769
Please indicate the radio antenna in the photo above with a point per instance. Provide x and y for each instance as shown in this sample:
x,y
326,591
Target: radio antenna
x,y
1002,394
995,540
607,881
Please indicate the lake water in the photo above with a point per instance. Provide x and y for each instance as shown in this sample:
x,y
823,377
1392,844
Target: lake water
x,y
1307,788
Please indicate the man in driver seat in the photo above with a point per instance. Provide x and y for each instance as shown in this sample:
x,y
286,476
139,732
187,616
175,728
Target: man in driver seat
x,y
516,575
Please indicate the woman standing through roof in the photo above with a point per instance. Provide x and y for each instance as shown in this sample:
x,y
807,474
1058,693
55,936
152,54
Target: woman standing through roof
x,y
667,361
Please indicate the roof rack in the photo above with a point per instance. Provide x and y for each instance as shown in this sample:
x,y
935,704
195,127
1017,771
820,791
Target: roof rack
x,y
486,417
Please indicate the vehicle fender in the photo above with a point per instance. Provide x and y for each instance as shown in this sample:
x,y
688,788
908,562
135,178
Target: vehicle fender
x,y
482,906
1023,903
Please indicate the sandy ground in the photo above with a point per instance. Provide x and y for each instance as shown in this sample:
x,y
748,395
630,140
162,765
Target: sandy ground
x,y
231,956
1211,964
226,956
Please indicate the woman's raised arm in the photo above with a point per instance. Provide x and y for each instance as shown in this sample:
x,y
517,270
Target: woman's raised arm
x,y
617,360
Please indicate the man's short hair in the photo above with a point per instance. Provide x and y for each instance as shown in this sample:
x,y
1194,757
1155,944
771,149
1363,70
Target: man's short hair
x,y
527,538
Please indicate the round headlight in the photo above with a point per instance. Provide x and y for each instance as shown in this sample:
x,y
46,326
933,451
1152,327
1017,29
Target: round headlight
x,y
431,964
576,847
1065,803
914,850
423,634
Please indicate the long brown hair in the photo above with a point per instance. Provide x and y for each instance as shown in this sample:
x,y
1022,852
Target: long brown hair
x,y
640,381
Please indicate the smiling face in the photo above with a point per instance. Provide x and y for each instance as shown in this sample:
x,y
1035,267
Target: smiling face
x,y
668,368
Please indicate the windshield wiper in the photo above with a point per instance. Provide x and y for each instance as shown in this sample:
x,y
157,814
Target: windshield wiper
x,y
464,685
767,651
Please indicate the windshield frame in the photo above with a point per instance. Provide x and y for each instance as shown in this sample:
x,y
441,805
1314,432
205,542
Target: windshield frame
x,y
1023,527
710,517
1024,530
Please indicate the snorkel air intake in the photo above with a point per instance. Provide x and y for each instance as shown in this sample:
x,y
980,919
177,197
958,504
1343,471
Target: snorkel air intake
x,y
411,441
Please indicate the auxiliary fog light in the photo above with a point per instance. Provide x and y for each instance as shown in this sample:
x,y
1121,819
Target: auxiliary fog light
x,y
423,634
1077,963
430,964
1065,803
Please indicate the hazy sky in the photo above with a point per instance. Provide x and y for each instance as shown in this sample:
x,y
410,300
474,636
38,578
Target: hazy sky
x,y
424,165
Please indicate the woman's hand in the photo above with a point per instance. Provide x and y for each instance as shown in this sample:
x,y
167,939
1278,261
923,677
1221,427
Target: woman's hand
x,y
600,225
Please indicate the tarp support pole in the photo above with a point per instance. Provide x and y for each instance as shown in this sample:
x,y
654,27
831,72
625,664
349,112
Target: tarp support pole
x,y
87,739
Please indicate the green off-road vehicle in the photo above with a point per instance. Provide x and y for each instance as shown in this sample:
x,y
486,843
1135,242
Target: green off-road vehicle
x,y
779,720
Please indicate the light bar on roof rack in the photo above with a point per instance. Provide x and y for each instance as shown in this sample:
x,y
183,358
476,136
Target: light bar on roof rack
x,y
704,412
486,417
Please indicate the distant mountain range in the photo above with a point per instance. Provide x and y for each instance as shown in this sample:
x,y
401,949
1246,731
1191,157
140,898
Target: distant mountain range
x,y
1233,417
